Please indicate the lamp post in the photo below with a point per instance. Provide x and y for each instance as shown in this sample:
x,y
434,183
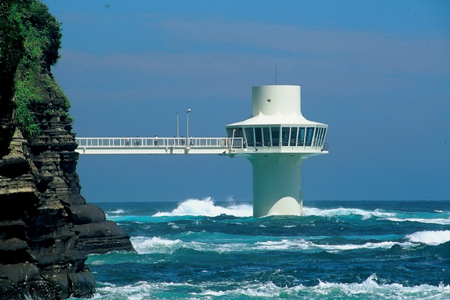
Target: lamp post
x,y
187,125
178,127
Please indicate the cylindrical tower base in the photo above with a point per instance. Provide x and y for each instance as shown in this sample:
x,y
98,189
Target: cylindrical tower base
x,y
276,184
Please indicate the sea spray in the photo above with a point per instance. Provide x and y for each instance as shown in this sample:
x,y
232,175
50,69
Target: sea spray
x,y
206,207
433,238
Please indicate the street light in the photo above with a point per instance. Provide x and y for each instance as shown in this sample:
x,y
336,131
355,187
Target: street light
x,y
187,125
178,127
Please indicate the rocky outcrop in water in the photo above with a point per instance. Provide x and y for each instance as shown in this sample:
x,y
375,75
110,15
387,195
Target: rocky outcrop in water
x,y
46,226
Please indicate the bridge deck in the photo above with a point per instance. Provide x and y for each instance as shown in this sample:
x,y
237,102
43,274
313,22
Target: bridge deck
x,y
160,145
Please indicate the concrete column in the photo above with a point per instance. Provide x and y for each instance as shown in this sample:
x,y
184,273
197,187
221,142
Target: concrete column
x,y
276,184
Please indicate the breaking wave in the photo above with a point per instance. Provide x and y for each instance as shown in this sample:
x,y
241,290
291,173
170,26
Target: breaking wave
x,y
438,221
366,214
432,238
146,245
206,207
371,288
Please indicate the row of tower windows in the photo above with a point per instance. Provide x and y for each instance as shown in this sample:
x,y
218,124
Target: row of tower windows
x,y
280,136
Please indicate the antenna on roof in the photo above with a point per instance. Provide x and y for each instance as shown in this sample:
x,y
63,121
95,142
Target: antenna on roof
x,y
275,74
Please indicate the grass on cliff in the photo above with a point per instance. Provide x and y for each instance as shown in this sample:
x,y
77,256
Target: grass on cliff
x,y
29,35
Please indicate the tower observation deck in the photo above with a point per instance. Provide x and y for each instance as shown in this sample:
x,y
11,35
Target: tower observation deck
x,y
276,139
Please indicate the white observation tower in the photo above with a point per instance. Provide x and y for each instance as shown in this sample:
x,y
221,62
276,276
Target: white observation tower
x,y
276,140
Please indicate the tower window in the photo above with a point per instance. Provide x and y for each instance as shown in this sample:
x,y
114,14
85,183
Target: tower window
x,y
316,136
285,136
258,137
301,136
266,136
249,136
309,135
275,136
293,136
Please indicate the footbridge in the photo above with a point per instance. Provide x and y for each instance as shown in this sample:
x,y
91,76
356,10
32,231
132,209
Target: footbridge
x,y
159,145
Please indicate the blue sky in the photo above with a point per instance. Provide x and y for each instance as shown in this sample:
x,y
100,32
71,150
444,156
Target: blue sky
x,y
378,72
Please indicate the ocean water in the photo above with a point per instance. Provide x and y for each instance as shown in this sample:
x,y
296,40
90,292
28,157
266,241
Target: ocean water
x,y
201,249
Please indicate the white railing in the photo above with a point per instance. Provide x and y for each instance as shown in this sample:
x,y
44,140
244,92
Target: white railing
x,y
153,142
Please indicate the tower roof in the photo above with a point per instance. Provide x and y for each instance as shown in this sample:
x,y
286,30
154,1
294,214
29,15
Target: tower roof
x,y
275,119
276,104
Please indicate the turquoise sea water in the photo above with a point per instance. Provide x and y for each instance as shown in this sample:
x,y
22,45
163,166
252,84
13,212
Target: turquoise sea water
x,y
199,249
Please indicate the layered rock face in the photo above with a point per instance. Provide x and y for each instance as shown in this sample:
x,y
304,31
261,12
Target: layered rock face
x,y
46,226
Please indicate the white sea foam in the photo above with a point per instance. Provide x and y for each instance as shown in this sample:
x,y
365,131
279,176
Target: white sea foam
x,y
206,207
113,213
145,245
422,220
300,244
334,212
368,289
285,245
371,289
432,238
137,291
366,214
368,286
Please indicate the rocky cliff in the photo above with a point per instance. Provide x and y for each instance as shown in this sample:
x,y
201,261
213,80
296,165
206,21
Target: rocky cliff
x,y
46,226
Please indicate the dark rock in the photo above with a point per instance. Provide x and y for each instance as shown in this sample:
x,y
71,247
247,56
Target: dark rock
x,y
40,289
102,238
47,227
13,166
87,213
83,283
21,272
43,289
13,244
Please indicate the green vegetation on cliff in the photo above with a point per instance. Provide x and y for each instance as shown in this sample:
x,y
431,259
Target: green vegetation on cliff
x,y
30,39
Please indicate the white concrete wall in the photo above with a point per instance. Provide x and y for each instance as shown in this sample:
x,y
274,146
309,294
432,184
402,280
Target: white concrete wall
x,y
276,184
271,99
